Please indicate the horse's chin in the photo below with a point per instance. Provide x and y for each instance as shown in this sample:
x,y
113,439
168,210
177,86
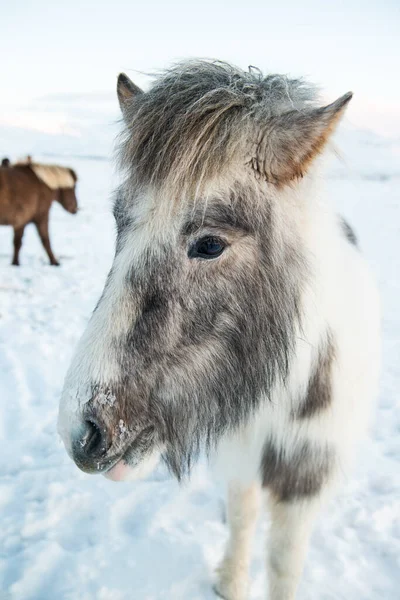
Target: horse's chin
x,y
123,471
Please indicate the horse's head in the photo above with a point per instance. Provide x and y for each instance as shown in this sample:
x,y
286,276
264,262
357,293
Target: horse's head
x,y
66,195
61,180
201,308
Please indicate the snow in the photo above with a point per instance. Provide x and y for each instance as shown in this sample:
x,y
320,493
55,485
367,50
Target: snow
x,y
71,536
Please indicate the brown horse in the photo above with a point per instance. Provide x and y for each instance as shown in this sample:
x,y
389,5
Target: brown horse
x,y
26,194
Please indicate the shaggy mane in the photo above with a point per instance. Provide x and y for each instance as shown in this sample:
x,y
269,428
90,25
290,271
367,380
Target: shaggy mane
x,y
53,176
199,116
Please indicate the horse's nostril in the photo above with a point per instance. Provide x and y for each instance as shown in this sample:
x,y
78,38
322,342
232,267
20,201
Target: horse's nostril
x,y
90,446
93,441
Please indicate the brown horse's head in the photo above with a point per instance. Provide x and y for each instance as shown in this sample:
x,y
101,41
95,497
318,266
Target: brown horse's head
x,y
67,197
61,180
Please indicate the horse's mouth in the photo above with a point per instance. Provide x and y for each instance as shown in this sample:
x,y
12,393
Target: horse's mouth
x,y
135,459
118,472
123,471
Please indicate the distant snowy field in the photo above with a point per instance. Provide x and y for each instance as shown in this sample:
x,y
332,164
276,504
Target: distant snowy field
x,y
65,535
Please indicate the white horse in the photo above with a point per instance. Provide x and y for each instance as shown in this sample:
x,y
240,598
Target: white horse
x,y
238,317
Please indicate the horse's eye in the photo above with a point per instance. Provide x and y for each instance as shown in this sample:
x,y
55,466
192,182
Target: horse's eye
x,y
207,247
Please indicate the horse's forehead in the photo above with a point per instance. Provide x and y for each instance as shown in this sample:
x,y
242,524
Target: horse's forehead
x,y
162,213
148,229
153,218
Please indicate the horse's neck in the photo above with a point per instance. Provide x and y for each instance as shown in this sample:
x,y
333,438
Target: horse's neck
x,y
324,248
56,194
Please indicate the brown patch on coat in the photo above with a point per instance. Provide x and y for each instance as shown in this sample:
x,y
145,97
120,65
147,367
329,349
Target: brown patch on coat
x,y
319,391
297,476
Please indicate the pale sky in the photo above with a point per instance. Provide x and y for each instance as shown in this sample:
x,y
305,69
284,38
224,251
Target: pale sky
x,y
79,47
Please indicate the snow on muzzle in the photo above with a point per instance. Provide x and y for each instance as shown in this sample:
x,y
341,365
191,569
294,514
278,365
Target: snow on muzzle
x,y
96,450
101,438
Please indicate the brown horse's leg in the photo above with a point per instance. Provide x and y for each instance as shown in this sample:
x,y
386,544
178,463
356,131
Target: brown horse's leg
x,y
43,230
18,233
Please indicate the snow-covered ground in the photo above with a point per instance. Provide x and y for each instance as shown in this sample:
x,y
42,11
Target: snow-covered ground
x,y
69,536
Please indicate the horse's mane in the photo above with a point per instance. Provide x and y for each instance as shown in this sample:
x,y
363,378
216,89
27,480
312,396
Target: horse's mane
x,y
198,115
53,176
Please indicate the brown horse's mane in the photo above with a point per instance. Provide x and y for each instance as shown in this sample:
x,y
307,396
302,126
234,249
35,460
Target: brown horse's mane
x,y
53,176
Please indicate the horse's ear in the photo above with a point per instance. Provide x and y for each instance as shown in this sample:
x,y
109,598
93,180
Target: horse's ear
x,y
126,91
292,140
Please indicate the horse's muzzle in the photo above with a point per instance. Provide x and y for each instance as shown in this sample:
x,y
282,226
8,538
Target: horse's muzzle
x,y
94,451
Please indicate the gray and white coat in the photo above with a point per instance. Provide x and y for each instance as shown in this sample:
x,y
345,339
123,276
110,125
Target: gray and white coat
x,y
238,317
